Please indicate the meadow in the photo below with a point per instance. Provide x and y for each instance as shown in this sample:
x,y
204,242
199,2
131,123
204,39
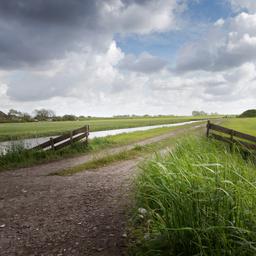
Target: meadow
x,y
197,200
18,157
11,131
245,125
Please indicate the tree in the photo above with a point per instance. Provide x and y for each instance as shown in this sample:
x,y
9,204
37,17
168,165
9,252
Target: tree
x,y
199,113
249,113
26,117
3,116
14,114
69,118
44,114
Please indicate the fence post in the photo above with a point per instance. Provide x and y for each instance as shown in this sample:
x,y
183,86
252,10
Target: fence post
x,y
86,134
232,141
52,143
208,128
71,136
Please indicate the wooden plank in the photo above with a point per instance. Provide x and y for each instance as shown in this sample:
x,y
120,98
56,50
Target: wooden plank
x,y
68,142
43,145
218,128
60,138
235,141
246,144
232,132
220,138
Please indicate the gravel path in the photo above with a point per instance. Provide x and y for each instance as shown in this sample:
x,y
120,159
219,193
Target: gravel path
x,y
83,214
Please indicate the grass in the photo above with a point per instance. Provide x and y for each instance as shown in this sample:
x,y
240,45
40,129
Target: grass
x,y
246,125
135,152
12,131
18,157
103,161
198,200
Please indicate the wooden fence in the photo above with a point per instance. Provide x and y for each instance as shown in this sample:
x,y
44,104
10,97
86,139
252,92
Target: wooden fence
x,y
65,139
231,136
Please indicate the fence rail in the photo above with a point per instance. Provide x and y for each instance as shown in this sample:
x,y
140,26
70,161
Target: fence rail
x,y
231,136
65,139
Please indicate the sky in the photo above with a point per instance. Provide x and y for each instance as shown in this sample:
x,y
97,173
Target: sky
x,y
118,57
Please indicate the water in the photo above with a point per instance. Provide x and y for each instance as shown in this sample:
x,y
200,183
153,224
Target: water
x,y
30,143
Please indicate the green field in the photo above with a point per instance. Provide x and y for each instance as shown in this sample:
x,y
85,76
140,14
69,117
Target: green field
x,y
18,157
246,125
10,131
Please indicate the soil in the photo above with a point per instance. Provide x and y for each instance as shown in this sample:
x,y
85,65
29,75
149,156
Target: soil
x,y
83,214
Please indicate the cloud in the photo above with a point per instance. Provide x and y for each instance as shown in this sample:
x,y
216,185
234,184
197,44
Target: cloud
x,y
63,55
133,16
76,75
144,63
34,32
249,5
227,45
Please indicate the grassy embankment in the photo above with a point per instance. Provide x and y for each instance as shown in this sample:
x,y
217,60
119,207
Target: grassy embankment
x,y
18,157
12,131
246,125
136,152
198,200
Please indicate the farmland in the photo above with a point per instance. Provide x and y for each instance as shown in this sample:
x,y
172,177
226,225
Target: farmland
x,y
10,131
184,199
17,157
246,125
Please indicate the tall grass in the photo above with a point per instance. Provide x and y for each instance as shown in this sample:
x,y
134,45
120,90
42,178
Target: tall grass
x,y
198,200
17,156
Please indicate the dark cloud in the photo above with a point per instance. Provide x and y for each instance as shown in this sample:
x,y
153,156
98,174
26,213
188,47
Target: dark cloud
x,y
63,12
35,31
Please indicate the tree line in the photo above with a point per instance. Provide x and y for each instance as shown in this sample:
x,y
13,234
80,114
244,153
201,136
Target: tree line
x,y
37,115
43,114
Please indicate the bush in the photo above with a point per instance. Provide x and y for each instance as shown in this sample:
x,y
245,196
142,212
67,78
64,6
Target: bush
x,y
249,113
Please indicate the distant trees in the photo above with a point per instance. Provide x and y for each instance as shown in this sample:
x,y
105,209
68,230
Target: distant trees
x,y
202,113
15,115
44,114
3,116
249,113
199,113
69,118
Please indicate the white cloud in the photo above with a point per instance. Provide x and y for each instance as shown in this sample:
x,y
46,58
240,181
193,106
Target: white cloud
x,y
141,17
229,45
219,23
144,63
249,5
76,75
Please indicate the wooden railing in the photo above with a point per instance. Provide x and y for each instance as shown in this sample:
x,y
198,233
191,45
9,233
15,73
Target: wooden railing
x,y
231,136
65,139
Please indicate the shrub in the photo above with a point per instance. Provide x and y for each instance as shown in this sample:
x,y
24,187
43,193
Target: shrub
x,y
249,113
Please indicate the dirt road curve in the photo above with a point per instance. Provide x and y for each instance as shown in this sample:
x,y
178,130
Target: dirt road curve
x,y
83,214
79,215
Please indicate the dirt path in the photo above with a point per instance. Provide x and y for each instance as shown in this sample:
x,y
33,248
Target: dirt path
x,y
83,214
